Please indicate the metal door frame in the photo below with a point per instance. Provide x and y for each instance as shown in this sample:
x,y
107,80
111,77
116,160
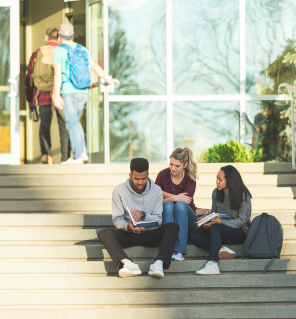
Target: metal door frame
x,y
14,156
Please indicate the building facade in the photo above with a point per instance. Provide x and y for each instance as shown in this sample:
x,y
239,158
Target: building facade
x,y
193,73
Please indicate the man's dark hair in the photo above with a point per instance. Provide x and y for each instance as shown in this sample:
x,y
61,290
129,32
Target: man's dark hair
x,y
139,165
237,190
52,33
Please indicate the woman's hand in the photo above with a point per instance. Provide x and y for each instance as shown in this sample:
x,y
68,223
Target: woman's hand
x,y
212,222
202,211
183,198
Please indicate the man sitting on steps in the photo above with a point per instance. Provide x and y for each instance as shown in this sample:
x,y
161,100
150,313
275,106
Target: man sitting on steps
x,y
145,198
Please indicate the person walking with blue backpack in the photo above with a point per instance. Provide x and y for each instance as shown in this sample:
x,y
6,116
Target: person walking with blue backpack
x,y
72,79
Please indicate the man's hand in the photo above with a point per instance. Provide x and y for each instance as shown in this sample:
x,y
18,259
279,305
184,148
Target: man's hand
x,y
183,198
202,211
137,215
59,102
212,222
135,230
109,82
30,106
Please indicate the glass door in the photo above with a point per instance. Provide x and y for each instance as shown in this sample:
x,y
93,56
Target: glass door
x,y
9,82
96,107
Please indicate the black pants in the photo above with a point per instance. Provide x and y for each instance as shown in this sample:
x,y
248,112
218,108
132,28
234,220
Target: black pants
x,y
115,240
212,239
44,132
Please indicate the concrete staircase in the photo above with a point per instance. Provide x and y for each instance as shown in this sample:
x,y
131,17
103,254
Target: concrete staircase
x,y
52,264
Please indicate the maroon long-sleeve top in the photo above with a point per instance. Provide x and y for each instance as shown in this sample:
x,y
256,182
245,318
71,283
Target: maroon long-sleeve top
x,y
164,181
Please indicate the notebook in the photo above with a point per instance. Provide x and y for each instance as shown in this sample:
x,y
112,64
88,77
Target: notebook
x,y
146,225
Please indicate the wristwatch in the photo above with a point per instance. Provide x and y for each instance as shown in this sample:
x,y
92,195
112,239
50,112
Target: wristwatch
x,y
143,216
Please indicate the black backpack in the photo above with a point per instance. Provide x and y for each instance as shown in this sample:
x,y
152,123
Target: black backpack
x,y
265,239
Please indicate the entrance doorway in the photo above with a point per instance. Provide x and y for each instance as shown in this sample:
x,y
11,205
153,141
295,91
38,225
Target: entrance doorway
x,y
9,82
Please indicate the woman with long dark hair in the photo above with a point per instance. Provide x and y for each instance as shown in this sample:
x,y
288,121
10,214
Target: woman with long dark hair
x,y
233,198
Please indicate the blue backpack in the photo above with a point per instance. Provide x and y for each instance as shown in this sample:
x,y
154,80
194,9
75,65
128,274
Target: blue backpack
x,y
78,66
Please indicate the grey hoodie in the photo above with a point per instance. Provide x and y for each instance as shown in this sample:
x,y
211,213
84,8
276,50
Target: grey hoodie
x,y
150,202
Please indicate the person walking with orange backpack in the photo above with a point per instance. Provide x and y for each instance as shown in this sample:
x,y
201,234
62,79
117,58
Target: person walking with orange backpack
x,y
39,91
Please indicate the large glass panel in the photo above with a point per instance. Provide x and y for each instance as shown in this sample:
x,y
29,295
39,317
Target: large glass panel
x,y
95,122
200,125
137,46
270,35
138,129
268,126
5,143
206,46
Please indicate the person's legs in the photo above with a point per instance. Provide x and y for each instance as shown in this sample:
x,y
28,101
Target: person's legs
x,y
221,233
44,129
200,237
64,135
168,215
73,106
114,240
181,218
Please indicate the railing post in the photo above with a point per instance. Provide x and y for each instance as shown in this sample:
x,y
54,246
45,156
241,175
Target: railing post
x,y
293,130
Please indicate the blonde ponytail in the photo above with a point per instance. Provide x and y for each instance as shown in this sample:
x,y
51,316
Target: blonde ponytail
x,y
186,156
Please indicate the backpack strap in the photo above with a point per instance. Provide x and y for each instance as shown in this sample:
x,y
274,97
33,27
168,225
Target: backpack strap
x,y
66,46
267,266
254,227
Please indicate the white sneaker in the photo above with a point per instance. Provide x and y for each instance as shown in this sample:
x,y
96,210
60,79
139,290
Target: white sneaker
x,y
226,253
211,268
178,256
129,270
84,157
73,161
156,269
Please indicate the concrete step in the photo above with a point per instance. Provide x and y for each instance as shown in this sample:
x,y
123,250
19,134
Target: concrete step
x,y
214,311
144,282
41,236
115,179
105,192
105,205
203,168
91,221
107,268
175,298
85,251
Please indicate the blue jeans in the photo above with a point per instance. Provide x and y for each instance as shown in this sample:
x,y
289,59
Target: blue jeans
x,y
73,106
212,239
184,216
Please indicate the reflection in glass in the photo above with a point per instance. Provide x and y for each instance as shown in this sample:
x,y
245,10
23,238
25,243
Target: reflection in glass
x,y
95,109
138,129
206,46
137,46
268,127
270,34
4,76
200,125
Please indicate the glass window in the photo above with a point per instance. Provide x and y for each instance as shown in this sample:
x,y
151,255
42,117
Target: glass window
x,y
270,35
206,47
268,127
200,125
5,143
137,46
138,129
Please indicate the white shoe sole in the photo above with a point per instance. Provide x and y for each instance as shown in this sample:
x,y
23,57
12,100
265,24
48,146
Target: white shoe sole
x,y
226,255
123,273
178,259
208,273
156,274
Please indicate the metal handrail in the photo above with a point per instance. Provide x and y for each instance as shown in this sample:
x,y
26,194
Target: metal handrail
x,y
292,90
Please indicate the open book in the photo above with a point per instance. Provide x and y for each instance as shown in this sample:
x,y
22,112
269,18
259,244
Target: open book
x,y
146,225
208,217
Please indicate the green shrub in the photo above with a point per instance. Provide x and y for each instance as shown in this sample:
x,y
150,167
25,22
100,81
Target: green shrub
x,y
232,152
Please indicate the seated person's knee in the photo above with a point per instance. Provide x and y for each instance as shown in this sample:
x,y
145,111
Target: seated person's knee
x,y
181,206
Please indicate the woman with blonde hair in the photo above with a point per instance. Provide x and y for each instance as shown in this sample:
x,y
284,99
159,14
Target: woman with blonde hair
x,y
178,183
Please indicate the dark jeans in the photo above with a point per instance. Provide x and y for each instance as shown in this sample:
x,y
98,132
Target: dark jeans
x,y
114,240
44,132
212,239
